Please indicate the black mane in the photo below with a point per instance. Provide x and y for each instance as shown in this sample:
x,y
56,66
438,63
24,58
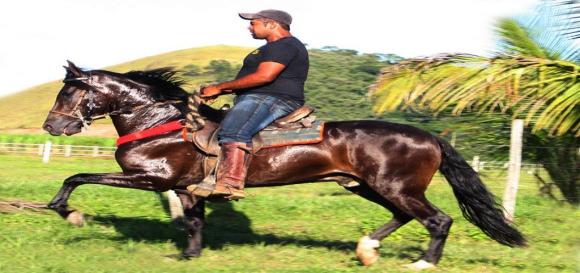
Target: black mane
x,y
165,85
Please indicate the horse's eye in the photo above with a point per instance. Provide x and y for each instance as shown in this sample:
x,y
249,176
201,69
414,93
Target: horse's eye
x,y
67,93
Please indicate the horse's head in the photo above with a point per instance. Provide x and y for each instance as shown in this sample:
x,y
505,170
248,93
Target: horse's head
x,y
130,98
77,103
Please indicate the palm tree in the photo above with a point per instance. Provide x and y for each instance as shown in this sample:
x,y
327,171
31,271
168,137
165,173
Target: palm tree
x,y
534,75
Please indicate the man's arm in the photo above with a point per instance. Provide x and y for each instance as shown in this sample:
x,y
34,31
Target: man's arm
x,y
266,72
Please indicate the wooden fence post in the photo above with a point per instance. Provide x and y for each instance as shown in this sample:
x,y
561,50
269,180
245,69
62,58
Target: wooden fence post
x,y
514,167
67,150
46,151
475,163
453,138
95,151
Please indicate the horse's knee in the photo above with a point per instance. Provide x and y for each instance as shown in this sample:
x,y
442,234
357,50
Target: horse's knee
x,y
194,224
438,225
73,180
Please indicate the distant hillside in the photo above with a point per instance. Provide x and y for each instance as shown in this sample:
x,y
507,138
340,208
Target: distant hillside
x,y
28,109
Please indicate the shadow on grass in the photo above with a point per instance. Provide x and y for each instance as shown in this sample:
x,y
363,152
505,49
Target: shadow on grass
x,y
412,253
224,226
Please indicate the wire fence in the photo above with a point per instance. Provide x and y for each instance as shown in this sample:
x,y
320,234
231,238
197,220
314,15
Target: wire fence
x,y
478,164
48,150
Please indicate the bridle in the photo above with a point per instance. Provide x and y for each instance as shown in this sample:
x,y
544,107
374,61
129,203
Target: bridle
x,y
88,119
75,112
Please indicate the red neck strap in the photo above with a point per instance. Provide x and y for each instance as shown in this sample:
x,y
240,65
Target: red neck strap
x,y
157,130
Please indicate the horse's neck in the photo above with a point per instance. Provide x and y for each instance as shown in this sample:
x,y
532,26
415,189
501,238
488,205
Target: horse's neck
x,y
145,118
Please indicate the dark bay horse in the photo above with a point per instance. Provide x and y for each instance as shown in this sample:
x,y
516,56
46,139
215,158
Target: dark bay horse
x,y
392,163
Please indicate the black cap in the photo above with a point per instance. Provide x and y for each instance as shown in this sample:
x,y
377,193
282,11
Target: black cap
x,y
276,15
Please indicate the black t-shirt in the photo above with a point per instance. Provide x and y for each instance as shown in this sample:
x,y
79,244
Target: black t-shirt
x,y
288,51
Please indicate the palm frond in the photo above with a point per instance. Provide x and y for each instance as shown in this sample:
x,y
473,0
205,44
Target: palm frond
x,y
554,26
517,40
544,92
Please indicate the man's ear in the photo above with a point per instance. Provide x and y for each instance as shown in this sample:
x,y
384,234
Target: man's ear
x,y
273,25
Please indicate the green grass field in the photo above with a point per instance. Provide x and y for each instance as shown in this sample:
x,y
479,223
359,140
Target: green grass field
x,y
307,228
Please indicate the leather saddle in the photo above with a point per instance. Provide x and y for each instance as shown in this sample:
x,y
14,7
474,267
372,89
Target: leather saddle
x,y
206,138
301,117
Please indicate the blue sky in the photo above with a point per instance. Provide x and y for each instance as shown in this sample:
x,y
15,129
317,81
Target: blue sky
x,y
38,36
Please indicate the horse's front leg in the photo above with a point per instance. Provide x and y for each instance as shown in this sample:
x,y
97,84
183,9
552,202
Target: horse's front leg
x,y
60,202
194,211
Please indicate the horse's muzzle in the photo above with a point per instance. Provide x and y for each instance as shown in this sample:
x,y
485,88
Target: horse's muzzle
x,y
59,127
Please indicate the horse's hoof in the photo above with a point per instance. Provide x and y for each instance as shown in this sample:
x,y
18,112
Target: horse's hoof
x,y
366,250
191,255
76,218
419,265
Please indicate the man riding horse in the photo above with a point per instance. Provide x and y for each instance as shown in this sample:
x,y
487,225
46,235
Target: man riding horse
x,y
269,85
390,164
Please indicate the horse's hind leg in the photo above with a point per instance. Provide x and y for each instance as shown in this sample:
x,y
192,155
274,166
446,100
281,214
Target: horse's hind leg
x,y
367,246
194,211
436,222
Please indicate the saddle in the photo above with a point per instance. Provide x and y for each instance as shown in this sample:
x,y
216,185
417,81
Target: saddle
x,y
299,127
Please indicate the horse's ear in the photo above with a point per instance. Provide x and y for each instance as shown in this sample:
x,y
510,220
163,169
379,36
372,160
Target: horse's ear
x,y
73,69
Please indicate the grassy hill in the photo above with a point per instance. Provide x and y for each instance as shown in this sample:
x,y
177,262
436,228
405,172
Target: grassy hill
x,y
28,109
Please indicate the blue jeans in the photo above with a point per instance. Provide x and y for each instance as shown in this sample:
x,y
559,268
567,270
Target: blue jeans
x,y
252,113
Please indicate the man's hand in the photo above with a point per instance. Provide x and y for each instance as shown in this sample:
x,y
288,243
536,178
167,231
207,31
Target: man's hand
x,y
210,91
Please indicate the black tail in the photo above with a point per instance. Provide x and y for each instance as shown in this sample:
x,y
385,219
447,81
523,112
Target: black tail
x,y
478,205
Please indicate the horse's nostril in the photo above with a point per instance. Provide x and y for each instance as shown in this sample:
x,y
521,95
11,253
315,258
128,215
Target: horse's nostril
x,y
47,127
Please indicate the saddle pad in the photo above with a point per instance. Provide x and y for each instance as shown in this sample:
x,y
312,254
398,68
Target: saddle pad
x,y
283,137
206,139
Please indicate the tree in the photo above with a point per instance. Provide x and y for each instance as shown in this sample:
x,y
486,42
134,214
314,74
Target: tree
x,y
191,70
222,70
533,75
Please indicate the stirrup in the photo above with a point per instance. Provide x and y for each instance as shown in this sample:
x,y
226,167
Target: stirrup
x,y
229,193
205,188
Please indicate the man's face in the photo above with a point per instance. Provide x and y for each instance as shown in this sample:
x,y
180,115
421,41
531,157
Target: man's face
x,y
260,28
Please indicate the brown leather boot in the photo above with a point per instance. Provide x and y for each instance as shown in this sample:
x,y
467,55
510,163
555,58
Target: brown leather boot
x,y
231,172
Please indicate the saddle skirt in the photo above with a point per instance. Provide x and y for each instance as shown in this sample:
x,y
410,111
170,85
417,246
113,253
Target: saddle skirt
x,y
299,127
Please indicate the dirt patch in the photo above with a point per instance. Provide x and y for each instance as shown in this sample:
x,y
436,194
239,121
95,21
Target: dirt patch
x,y
15,206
